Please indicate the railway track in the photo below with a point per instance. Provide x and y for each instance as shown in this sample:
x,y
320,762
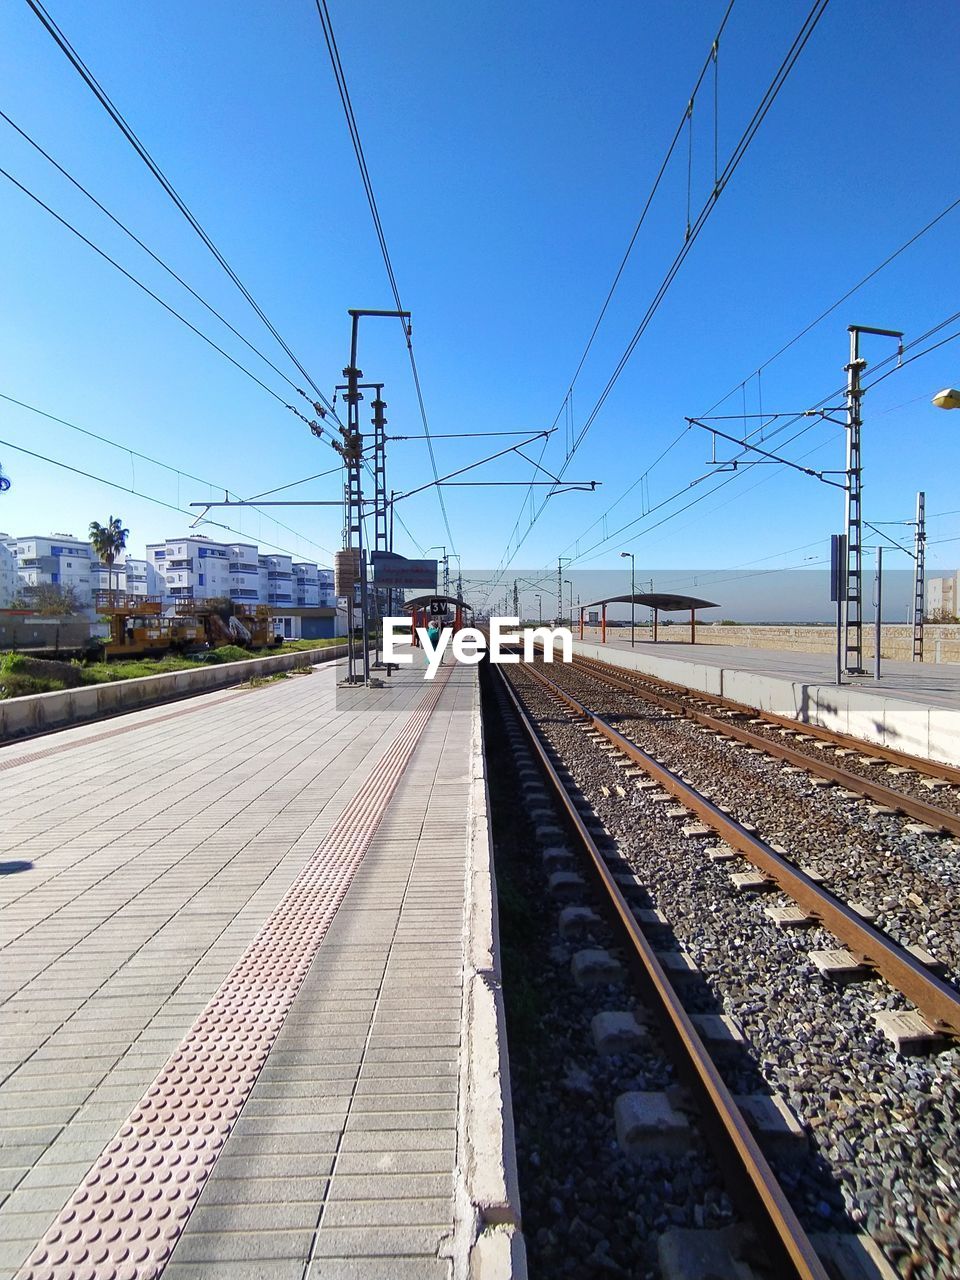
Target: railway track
x,y
936,1000
752,1181
870,947
805,746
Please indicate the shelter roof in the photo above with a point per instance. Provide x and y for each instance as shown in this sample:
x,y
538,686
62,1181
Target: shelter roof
x,y
657,600
420,602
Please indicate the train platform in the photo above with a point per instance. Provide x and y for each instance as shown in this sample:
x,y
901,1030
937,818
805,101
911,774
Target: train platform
x,y
914,707
250,1021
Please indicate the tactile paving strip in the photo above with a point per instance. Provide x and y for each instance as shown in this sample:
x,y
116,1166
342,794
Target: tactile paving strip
x,y
124,1219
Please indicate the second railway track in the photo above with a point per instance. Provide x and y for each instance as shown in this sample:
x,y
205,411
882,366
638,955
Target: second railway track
x,y
813,1039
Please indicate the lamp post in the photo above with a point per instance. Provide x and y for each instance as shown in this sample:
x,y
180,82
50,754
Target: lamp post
x,y
633,592
446,567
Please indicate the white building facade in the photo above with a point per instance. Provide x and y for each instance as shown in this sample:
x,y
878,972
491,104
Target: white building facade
x,y
177,569
943,595
244,573
194,568
276,582
306,584
9,579
58,559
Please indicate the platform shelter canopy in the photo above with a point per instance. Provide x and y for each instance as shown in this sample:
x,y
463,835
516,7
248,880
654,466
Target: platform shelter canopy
x,y
657,600
422,602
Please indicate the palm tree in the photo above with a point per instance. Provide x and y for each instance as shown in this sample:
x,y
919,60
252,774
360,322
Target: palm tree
x,y
108,541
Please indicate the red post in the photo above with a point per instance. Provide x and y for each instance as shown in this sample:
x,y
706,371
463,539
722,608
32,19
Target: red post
x,y
693,627
603,624
581,624
655,625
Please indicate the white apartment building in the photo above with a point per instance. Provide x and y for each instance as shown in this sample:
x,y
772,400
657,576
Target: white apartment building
x,y
943,595
136,577
58,559
244,569
276,581
9,579
128,576
194,568
306,585
328,598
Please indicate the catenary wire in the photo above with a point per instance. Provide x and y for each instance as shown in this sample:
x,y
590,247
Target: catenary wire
x,y
155,462
344,92
736,156
146,497
150,293
99,93
146,248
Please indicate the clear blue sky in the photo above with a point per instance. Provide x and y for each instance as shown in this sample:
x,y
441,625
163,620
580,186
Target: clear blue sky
x,y
511,148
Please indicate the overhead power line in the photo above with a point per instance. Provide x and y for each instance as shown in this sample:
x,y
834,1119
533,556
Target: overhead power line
x,y
146,248
146,497
845,297
117,117
134,453
155,296
768,418
721,180
733,162
331,41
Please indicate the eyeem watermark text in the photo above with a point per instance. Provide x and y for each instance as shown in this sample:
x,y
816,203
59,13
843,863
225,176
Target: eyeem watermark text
x,y
469,645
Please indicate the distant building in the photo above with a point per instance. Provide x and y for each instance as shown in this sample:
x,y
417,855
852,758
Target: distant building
x,y
943,595
276,581
328,597
178,569
58,559
306,584
194,568
244,571
9,580
136,577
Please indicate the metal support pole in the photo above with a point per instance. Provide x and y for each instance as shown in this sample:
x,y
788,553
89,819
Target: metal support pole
x,y
878,606
919,586
633,602
654,624
853,625
838,589
603,624
352,452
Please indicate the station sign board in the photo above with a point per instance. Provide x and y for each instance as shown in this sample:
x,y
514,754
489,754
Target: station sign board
x,y
391,570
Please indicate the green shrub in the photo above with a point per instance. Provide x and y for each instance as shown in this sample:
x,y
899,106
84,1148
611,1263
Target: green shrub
x,y
226,653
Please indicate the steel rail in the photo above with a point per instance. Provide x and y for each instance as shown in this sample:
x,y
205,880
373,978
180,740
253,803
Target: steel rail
x,y
751,1180
928,768
936,1000
933,815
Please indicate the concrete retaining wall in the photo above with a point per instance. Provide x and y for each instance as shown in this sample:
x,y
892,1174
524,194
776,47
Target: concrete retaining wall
x,y
932,733
941,641
41,712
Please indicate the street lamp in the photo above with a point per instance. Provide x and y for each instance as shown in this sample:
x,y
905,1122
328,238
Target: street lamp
x,y
446,567
948,398
633,592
